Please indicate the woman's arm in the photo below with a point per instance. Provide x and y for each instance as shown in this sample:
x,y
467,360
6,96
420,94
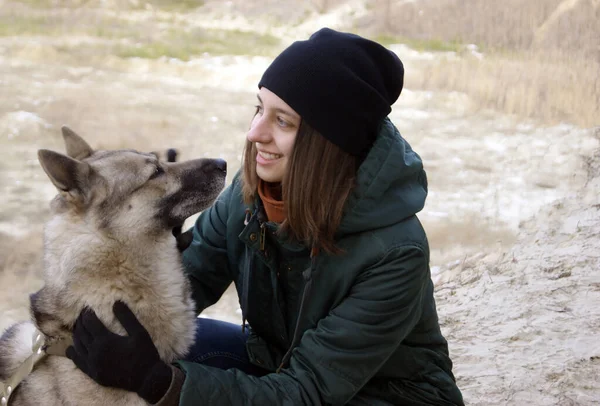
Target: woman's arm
x,y
337,358
205,259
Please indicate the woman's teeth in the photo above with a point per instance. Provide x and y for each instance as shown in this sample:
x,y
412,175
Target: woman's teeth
x,y
269,156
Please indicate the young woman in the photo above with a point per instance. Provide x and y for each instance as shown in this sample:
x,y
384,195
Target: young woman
x,y
319,234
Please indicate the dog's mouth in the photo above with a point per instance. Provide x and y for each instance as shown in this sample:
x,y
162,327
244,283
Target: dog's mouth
x,y
201,183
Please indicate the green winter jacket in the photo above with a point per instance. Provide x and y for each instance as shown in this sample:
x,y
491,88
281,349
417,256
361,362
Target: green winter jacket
x,y
359,328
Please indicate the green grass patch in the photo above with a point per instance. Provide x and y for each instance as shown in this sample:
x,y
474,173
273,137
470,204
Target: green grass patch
x,y
185,45
433,44
174,5
38,3
53,25
16,25
148,39
167,5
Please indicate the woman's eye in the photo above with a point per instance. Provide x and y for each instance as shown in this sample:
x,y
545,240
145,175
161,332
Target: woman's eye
x,y
159,171
259,110
282,122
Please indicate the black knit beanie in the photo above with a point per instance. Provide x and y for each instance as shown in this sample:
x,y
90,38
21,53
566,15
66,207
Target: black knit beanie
x,y
342,84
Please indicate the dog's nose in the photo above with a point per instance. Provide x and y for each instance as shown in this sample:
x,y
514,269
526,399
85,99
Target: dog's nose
x,y
210,166
221,164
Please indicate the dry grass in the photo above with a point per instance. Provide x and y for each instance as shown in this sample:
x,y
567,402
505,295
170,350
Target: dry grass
x,y
515,25
553,87
542,58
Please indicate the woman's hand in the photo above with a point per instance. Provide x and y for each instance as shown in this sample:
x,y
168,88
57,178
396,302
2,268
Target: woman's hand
x,y
128,362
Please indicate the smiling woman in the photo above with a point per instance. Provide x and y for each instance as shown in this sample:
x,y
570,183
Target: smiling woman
x,y
273,132
319,234
305,186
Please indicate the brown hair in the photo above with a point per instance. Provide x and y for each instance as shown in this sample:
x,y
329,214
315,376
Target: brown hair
x,y
318,181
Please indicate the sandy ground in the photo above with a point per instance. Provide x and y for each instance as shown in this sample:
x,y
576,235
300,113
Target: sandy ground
x,y
523,323
513,213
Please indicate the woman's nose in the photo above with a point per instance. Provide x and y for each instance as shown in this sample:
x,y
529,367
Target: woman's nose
x,y
259,131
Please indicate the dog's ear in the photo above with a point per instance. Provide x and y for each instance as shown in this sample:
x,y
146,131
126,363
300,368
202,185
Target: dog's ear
x,y
67,174
172,155
77,148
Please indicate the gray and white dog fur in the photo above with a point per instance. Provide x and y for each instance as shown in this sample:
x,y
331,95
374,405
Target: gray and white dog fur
x,y
109,238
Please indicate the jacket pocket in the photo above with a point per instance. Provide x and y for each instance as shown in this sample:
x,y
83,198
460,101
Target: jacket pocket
x,y
262,354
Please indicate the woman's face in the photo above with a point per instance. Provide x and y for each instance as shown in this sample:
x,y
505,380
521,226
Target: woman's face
x,y
273,130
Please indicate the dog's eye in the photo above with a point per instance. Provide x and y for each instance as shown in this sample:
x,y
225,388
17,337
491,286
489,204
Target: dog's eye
x,y
159,171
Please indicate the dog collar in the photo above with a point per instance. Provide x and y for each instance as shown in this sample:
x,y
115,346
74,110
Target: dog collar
x,y
39,350
37,354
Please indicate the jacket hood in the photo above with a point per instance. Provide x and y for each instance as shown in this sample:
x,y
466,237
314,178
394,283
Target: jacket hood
x,y
391,184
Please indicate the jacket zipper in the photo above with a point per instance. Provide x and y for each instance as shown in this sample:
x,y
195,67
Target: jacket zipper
x,y
308,281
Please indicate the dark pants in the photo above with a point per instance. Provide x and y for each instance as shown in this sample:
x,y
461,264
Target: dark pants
x,y
222,345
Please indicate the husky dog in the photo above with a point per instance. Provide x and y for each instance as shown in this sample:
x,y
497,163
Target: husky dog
x,y
109,239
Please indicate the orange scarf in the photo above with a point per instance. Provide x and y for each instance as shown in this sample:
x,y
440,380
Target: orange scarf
x,y
270,194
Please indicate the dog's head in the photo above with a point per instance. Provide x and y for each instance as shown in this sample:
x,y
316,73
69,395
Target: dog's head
x,y
124,189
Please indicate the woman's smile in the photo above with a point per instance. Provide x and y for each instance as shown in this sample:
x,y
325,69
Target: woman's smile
x,y
273,131
265,158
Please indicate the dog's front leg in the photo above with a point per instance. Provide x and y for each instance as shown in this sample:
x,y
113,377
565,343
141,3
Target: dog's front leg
x,y
44,313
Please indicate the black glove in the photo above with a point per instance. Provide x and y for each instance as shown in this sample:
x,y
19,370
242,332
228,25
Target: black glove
x,y
127,362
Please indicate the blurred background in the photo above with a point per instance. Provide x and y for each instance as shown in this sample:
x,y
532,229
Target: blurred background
x,y
501,100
